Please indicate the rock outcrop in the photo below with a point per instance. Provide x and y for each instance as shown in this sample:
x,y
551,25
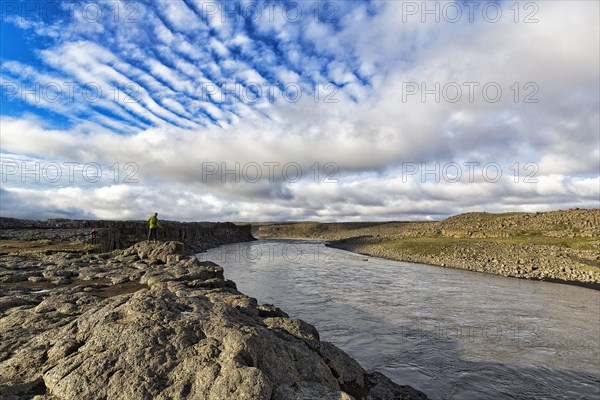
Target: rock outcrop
x,y
111,235
148,322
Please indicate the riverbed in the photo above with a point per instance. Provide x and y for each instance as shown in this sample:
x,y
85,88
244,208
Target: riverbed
x,y
451,333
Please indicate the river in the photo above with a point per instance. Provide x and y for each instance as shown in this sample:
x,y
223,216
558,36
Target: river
x,y
450,333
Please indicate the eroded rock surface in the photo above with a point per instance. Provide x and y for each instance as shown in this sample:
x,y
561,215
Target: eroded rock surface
x,y
148,322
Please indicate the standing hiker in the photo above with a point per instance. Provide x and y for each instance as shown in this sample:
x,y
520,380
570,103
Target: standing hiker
x,y
94,236
154,225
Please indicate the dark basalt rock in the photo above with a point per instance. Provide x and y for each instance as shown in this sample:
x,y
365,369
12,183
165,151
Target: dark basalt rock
x,y
111,235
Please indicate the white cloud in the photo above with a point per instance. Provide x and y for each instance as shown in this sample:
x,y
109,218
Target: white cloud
x,y
368,133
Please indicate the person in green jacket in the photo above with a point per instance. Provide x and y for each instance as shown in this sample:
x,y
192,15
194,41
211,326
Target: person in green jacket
x,y
154,225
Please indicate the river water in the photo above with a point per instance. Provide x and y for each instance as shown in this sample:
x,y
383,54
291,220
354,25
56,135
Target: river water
x,y
450,333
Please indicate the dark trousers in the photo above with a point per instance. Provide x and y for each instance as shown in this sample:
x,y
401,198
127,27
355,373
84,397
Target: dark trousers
x,y
152,234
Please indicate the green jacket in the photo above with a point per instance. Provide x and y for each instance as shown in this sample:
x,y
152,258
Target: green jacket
x,y
154,222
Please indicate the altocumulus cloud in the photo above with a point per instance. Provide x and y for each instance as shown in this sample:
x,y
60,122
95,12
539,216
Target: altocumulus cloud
x,y
326,110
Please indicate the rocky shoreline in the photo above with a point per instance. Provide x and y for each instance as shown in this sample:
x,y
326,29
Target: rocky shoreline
x,y
558,246
150,322
516,261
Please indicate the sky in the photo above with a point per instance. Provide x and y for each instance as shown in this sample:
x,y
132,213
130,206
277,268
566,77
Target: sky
x,y
308,110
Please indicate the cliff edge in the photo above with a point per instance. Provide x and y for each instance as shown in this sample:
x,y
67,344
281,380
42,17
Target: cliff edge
x,y
111,235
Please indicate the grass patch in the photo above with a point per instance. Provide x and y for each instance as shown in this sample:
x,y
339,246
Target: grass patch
x,y
436,245
424,245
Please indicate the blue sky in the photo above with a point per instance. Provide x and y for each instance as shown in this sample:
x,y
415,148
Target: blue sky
x,y
176,63
210,106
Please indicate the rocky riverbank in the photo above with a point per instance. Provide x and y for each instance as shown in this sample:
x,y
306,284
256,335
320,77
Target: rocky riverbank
x,y
149,322
559,246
